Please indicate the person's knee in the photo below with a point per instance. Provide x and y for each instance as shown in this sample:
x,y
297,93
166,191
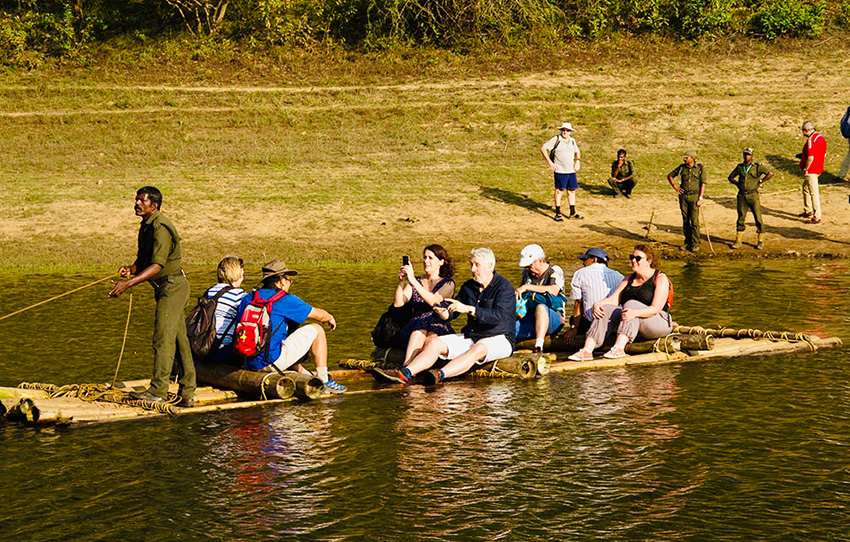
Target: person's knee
x,y
633,304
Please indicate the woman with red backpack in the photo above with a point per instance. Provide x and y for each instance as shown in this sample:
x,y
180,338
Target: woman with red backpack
x,y
640,305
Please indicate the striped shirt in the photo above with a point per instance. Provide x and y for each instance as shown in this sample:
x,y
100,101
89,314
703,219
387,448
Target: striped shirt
x,y
226,311
593,283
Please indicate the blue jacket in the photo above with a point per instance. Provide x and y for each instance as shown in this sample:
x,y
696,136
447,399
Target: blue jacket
x,y
495,308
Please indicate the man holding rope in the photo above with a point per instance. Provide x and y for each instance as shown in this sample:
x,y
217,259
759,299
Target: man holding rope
x,y
158,262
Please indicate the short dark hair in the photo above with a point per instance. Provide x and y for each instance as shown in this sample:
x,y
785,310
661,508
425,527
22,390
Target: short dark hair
x,y
621,151
153,193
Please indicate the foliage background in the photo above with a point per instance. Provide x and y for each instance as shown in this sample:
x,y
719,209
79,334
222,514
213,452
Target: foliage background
x,y
32,31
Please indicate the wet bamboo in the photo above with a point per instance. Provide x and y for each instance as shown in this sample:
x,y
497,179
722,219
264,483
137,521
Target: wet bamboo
x,y
270,385
306,386
522,365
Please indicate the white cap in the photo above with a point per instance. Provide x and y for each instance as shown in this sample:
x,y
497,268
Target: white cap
x,y
566,126
530,254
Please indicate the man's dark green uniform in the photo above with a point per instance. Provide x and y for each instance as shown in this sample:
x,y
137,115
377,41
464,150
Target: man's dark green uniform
x,y
159,243
691,180
748,178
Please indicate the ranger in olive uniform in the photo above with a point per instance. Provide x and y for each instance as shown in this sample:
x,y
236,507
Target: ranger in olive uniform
x,y
158,262
748,176
691,192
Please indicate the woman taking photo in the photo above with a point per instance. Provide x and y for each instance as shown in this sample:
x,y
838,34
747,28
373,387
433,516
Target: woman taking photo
x,y
640,305
422,294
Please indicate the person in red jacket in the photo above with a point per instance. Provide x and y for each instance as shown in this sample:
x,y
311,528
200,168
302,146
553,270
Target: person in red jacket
x,y
811,164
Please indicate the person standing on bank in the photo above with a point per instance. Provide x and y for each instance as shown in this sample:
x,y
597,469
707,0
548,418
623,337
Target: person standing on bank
x,y
691,191
158,261
748,176
811,164
844,126
622,179
563,157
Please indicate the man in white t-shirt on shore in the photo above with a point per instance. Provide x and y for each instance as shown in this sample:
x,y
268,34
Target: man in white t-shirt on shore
x,y
591,283
564,159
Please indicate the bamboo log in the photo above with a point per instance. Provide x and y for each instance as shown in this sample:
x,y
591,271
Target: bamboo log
x,y
523,365
306,386
744,333
671,343
556,343
252,383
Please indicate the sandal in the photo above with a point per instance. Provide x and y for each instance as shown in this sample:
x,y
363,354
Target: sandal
x,y
614,354
581,355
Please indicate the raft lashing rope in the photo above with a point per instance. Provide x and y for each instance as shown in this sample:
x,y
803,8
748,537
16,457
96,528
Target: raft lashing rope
x,y
102,393
748,333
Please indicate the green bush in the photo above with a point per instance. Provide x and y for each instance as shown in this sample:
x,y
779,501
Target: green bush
x,y
788,18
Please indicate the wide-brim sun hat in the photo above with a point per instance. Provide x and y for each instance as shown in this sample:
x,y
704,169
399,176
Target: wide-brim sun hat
x,y
566,126
277,268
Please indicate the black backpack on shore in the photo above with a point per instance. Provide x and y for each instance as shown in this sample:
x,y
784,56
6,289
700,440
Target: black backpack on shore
x,y
200,325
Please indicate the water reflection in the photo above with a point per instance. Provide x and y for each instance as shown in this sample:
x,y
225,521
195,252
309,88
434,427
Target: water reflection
x,y
754,448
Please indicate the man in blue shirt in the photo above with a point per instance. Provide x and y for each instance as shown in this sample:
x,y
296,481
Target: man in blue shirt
x,y
284,349
489,302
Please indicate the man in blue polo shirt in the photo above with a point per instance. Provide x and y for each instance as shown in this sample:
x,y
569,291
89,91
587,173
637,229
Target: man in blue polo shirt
x,y
285,349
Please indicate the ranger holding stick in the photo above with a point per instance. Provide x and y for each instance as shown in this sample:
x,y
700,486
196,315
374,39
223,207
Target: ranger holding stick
x,y
158,262
748,176
691,191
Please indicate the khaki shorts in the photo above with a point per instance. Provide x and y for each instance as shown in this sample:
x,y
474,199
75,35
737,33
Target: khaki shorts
x,y
295,346
498,347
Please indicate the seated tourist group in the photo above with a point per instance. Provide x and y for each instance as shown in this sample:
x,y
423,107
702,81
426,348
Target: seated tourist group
x,y
272,329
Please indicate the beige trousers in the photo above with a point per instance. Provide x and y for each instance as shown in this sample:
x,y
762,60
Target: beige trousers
x,y
811,195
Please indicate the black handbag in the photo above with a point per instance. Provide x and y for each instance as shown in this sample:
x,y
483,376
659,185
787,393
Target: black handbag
x,y
387,330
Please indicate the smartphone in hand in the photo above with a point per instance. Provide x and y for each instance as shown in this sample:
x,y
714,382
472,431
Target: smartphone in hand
x,y
405,260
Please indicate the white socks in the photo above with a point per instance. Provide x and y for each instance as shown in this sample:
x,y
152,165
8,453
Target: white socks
x,y
323,373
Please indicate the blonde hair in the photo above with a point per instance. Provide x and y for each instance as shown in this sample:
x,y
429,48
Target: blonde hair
x,y
229,268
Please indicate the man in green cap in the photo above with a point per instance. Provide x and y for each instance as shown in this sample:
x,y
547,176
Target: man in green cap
x,y
158,262
691,191
748,176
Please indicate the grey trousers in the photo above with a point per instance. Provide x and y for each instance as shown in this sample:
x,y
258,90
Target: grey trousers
x,y
604,330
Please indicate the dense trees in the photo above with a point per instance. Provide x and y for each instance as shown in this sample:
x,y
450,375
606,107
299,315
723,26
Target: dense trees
x,y
34,29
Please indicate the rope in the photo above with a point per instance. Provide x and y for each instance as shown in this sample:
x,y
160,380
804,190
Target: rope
x,y
749,333
263,383
69,292
102,393
123,341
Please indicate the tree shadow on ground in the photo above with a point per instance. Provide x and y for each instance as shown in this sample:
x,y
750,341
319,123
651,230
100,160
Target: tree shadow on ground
x,y
596,189
677,229
611,230
732,203
793,167
796,232
513,198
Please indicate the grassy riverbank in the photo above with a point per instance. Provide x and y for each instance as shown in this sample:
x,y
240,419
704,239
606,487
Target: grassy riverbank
x,y
334,157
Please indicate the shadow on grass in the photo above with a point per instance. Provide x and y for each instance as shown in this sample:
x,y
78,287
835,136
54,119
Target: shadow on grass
x,y
609,229
793,167
513,198
732,203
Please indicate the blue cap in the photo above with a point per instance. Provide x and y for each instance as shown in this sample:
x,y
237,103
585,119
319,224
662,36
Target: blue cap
x,y
594,252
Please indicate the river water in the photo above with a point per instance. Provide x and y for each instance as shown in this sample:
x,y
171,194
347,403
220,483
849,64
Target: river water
x,y
750,448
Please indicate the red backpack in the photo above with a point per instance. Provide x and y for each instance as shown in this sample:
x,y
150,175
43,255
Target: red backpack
x,y
252,331
669,290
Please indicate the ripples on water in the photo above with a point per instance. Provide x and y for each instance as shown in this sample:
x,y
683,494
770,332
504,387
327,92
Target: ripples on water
x,y
754,448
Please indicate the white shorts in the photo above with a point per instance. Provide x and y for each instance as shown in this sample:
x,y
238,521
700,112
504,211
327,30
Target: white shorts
x,y
296,345
498,347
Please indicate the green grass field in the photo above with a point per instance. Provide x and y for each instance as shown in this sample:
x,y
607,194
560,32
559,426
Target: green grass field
x,y
358,159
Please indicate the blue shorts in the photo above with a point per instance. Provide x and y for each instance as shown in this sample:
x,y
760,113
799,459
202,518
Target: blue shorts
x,y
566,181
525,326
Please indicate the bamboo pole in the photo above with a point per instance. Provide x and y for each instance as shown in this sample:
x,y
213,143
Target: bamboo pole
x,y
255,384
306,386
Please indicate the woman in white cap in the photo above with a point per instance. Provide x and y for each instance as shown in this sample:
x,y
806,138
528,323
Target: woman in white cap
x,y
563,157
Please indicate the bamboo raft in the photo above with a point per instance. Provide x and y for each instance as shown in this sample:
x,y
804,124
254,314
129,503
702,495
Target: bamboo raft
x,y
227,388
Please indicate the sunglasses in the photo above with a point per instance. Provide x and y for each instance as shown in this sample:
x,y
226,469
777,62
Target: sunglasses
x,y
635,258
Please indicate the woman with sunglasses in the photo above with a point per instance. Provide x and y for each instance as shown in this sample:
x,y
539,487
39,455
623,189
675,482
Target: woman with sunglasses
x,y
640,305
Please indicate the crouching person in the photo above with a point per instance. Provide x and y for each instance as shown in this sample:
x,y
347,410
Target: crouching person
x,y
488,301
283,349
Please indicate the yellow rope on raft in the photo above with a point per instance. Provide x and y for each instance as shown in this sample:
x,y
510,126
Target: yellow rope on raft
x,y
357,364
103,393
748,333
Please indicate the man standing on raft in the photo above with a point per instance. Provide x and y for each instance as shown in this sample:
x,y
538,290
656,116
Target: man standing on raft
x,y
158,262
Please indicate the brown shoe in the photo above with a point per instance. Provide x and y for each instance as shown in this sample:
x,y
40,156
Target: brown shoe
x,y
815,220
805,214
431,377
